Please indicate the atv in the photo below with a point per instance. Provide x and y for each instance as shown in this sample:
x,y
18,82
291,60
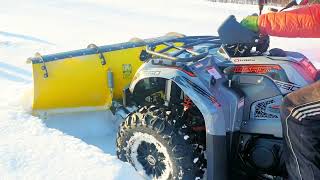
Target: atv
x,y
190,107
211,106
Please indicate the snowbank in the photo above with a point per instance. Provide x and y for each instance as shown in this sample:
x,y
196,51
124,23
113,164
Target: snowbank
x,y
30,150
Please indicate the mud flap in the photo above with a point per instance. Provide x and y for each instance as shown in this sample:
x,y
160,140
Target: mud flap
x,y
217,168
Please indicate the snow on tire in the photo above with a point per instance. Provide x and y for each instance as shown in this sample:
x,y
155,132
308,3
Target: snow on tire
x,y
155,147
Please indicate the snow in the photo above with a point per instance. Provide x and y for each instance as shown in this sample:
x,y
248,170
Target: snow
x,y
186,137
195,160
82,146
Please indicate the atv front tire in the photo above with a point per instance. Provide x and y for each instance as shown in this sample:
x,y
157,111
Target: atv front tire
x,y
156,148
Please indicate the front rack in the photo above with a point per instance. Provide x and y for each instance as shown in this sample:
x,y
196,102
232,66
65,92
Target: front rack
x,y
181,50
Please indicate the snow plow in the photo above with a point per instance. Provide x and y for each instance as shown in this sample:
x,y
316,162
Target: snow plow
x,y
193,107
89,78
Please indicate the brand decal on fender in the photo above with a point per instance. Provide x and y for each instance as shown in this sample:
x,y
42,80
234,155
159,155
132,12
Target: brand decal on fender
x,y
243,60
287,87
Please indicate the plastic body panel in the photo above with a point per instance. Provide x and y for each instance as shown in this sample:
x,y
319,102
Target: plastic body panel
x,y
220,106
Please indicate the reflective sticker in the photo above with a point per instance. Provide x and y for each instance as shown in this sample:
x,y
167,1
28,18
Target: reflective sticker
x,y
127,71
310,68
212,71
198,65
258,69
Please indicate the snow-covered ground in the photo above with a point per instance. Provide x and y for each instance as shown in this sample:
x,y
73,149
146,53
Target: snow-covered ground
x,y
83,146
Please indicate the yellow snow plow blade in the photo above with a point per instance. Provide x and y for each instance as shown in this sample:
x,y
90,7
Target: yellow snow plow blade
x,y
84,78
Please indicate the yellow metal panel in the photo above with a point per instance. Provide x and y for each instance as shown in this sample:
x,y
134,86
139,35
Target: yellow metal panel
x,y
82,81
123,64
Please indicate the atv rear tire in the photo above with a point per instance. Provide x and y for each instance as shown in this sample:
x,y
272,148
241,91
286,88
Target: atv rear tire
x,y
149,141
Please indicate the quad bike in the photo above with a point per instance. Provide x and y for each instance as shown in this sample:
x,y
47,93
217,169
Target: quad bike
x,y
193,106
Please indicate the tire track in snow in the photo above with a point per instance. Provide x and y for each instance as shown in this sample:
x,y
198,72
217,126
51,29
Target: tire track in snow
x,y
25,37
